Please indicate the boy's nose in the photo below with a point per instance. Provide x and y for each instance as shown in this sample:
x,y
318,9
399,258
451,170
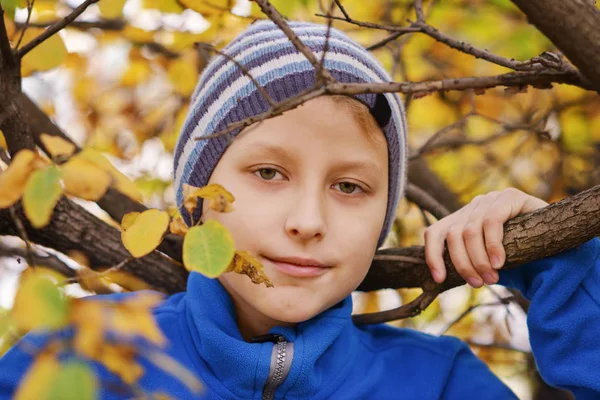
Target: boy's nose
x,y
306,218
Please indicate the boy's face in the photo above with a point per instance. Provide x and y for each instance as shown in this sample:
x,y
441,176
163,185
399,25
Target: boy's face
x,y
300,200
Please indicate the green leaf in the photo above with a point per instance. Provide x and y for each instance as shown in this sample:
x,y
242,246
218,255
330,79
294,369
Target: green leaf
x,y
75,381
42,192
208,249
39,304
9,6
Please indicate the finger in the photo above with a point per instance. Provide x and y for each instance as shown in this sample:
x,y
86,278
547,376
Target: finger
x,y
434,248
473,236
493,232
459,256
477,252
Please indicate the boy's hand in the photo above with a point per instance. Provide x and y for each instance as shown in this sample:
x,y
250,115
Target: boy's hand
x,y
474,235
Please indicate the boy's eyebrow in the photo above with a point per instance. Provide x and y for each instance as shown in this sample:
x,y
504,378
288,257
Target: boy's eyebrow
x,y
356,165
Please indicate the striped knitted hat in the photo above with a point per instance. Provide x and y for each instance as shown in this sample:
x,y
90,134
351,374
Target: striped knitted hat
x,y
225,95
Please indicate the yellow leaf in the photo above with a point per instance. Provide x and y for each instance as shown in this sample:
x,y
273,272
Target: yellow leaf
x,y
42,192
166,6
129,219
13,180
137,34
122,183
145,233
39,303
178,226
183,75
49,54
120,360
84,179
137,72
57,146
87,317
208,7
111,9
92,281
3,141
10,26
39,378
133,318
208,249
244,263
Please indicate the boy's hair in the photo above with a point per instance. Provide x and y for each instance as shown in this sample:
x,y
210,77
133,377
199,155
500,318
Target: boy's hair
x,y
225,95
361,114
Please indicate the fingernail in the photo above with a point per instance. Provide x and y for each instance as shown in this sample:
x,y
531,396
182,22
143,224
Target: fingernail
x,y
436,275
475,282
496,263
489,278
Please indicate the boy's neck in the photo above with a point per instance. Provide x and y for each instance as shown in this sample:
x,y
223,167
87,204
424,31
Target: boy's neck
x,y
250,321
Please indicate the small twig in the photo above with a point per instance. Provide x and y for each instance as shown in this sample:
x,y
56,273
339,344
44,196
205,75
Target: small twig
x,y
408,310
245,71
342,9
51,30
23,234
425,201
503,301
274,15
391,38
429,143
286,105
51,261
30,4
419,10
510,79
320,78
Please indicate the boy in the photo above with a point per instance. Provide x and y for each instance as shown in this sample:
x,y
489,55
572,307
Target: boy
x,y
316,189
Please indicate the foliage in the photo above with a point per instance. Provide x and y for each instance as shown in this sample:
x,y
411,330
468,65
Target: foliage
x,y
127,83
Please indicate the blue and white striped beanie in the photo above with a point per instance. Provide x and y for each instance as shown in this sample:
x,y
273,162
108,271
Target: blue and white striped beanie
x,y
224,95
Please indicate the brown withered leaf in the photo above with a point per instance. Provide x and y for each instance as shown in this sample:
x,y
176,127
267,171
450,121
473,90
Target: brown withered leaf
x,y
178,226
219,199
244,263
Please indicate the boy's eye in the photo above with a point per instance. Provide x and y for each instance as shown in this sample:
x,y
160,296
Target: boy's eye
x,y
345,187
267,173
348,187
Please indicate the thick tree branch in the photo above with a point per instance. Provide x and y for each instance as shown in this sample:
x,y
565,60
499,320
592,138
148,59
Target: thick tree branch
x,y
73,228
543,233
573,27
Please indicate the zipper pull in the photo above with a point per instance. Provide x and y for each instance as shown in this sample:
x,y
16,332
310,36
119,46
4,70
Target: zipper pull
x,y
269,337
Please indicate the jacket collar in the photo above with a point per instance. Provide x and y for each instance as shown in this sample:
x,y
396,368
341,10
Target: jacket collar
x,y
323,345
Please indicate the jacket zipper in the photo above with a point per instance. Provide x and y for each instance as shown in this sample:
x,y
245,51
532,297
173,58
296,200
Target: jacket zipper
x,y
281,362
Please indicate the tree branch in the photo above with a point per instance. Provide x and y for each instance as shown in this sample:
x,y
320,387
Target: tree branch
x,y
274,15
573,27
51,30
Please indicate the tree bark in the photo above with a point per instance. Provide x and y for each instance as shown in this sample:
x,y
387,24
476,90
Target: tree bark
x,y
573,27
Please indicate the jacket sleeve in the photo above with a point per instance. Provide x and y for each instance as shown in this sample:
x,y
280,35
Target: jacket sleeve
x,y
470,377
564,316
15,363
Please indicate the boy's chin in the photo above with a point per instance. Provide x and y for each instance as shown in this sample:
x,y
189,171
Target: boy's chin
x,y
298,309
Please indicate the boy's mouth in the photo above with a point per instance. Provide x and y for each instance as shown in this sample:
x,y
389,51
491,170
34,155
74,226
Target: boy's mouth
x,y
299,267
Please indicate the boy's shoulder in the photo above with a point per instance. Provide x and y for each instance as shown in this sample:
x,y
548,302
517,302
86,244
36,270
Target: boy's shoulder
x,y
387,338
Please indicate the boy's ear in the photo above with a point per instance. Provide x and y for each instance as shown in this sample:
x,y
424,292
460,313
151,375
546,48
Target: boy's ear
x,y
381,111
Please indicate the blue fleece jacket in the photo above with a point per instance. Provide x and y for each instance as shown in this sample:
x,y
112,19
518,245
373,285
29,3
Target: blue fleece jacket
x,y
333,358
